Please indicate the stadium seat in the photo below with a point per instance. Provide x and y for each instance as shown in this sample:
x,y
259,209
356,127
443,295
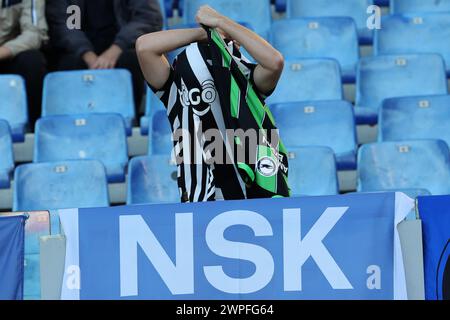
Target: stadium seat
x,y
319,123
77,137
152,104
6,155
13,105
256,13
413,164
60,185
308,80
89,91
414,33
421,6
392,76
324,37
160,141
426,117
312,171
152,179
166,10
356,9
280,5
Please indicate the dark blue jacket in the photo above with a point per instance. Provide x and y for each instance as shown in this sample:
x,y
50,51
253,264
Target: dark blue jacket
x,y
134,18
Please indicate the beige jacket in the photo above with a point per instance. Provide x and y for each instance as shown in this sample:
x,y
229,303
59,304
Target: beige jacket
x,y
22,24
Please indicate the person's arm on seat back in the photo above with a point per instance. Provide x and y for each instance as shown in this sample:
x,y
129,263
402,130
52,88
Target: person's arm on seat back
x,y
270,61
30,36
69,40
151,49
145,17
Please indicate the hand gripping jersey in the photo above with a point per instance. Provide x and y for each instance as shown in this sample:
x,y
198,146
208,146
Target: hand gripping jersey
x,y
211,87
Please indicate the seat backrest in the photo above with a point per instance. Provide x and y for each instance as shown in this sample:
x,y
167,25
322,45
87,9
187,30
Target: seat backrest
x,y
89,91
422,6
312,171
308,80
424,117
60,185
414,33
13,104
391,76
323,37
317,123
152,179
257,13
413,164
152,104
6,154
356,9
77,137
160,141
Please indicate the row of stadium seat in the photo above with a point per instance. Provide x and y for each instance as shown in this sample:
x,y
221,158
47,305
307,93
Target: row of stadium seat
x,y
315,8
260,19
313,123
110,91
337,38
378,78
298,39
321,7
413,166
69,92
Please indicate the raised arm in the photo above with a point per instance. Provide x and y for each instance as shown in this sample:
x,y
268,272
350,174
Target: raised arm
x,y
270,61
151,49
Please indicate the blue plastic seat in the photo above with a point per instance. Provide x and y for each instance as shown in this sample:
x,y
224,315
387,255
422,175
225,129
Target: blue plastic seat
x,y
426,117
152,179
414,164
89,91
392,76
319,123
324,37
312,171
414,33
6,155
421,6
256,13
13,105
308,80
160,141
77,137
60,185
356,9
166,10
152,105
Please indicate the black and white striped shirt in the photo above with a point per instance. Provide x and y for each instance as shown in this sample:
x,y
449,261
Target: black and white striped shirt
x,y
193,105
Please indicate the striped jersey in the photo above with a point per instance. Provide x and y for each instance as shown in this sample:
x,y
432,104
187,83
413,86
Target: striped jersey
x,y
194,107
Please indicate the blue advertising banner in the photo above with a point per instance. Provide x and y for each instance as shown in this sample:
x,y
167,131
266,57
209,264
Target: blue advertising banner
x,y
11,257
435,215
339,247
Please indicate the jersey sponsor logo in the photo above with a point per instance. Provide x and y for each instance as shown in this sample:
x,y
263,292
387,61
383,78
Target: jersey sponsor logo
x,y
266,166
199,99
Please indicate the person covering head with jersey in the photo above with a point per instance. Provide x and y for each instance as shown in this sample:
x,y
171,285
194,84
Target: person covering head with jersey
x,y
211,87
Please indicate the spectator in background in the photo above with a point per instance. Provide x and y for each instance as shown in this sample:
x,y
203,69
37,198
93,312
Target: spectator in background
x,y
109,29
23,30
